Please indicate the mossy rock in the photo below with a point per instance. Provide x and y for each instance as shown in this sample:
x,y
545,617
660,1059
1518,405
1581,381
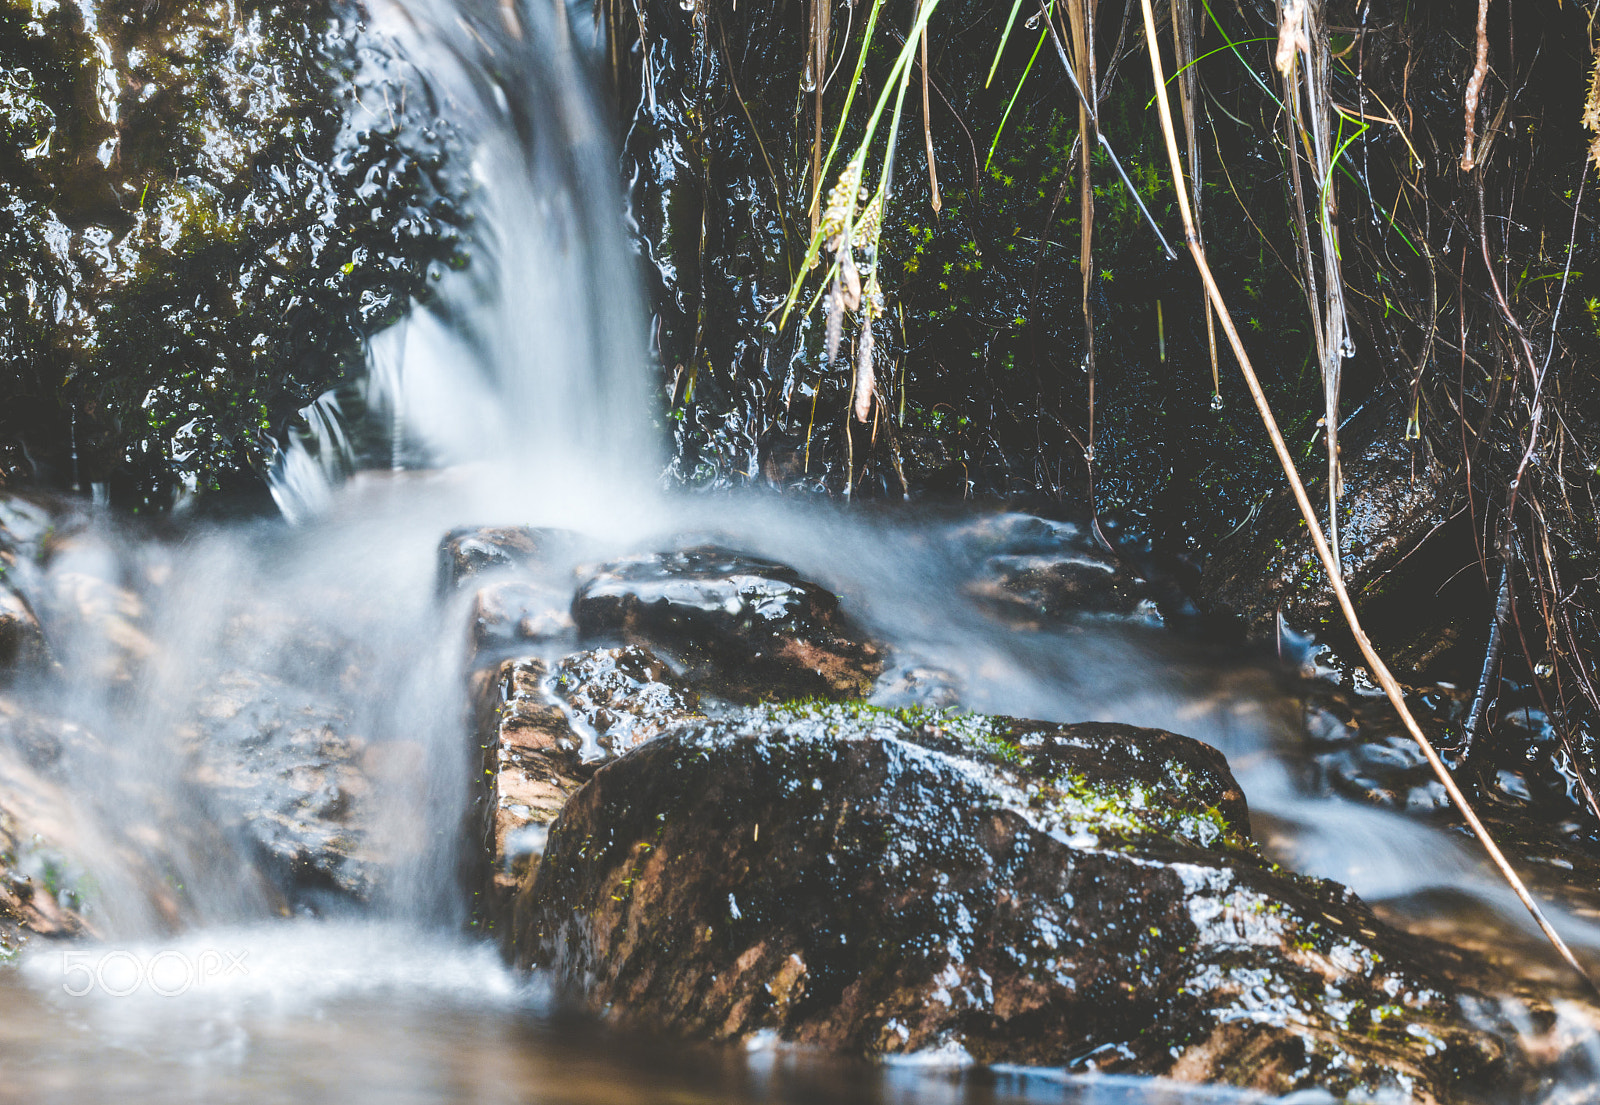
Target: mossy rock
x,y
1011,892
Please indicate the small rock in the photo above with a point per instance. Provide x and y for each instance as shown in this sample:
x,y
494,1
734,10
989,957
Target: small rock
x,y
533,761
739,627
22,644
1032,567
624,695
543,735
509,614
476,550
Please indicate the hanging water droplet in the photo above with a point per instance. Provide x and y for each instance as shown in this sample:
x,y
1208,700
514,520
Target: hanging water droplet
x,y
1347,348
1543,669
809,81
1216,401
1088,453
1033,22
688,5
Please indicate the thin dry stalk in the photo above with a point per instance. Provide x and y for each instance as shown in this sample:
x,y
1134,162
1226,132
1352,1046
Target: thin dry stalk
x,y
1183,39
1303,37
927,130
1379,670
817,76
1082,56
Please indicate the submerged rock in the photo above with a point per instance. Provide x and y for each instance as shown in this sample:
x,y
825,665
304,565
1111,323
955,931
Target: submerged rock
x,y
1072,896
740,627
282,769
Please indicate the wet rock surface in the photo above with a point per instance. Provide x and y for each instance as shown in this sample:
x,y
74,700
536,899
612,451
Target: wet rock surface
x,y
1033,569
22,643
738,626
542,734
43,888
533,761
624,696
284,771
1396,496
202,220
479,551
26,527
511,614
1013,892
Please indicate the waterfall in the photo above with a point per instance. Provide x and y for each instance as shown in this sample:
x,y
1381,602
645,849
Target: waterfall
x,y
533,357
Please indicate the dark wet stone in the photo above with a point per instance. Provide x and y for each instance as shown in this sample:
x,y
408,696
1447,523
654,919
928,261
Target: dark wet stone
x,y
890,884
1396,494
1033,568
738,626
1359,747
476,550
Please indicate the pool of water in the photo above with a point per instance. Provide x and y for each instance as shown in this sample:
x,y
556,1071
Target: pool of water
x,y
310,1012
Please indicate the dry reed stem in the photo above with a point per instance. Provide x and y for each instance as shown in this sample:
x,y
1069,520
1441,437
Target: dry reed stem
x,y
1379,670
1480,70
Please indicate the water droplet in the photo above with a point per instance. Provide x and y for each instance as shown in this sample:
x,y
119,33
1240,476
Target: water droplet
x,y
1088,453
688,5
1033,22
809,81
1543,669
1216,402
1347,348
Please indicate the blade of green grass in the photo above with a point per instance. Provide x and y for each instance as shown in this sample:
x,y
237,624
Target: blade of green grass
x,y
1005,37
1013,101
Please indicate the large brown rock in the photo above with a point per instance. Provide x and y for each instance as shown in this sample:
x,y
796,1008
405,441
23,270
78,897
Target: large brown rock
x,y
740,627
1071,896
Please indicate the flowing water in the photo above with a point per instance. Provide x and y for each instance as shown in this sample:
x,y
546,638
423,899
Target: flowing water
x,y
519,398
